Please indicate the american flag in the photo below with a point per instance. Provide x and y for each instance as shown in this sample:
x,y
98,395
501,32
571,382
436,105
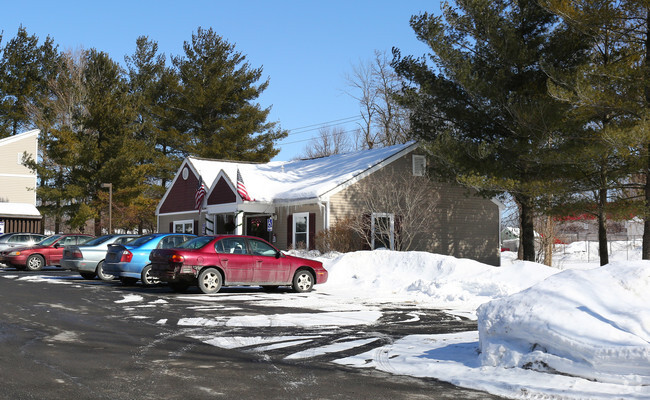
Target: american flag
x,y
199,195
241,188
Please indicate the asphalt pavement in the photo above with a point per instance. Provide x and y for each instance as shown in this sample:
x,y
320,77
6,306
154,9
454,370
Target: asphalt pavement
x,y
62,337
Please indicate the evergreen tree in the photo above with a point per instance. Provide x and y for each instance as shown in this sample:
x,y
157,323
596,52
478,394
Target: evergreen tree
x,y
56,114
88,139
614,86
216,103
111,151
153,87
485,108
25,68
602,159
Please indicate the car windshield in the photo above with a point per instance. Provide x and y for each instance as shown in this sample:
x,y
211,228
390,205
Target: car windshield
x,y
196,243
98,240
142,240
49,240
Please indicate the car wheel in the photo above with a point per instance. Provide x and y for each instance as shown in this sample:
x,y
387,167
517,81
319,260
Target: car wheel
x,y
147,278
303,281
100,273
179,287
87,275
209,281
35,262
128,281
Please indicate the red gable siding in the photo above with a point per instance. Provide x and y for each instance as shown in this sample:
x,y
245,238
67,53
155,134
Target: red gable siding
x,y
222,194
181,195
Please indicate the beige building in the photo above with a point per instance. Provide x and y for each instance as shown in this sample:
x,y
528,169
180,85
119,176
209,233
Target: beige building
x,y
18,211
17,182
292,201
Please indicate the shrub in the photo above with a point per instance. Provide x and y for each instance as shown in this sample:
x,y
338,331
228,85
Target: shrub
x,y
339,237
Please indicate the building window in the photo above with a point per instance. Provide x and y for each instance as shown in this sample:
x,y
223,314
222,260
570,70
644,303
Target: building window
x,y
382,226
419,165
186,226
301,230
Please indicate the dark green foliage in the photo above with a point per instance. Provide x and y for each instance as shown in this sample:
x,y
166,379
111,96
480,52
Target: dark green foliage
x,y
102,124
216,105
484,109
25,68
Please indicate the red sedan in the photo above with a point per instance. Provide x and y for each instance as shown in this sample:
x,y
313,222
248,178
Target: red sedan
x,y
229,260
47,252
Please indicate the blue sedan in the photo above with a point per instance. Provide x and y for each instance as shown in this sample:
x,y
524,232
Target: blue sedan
x,y
130,262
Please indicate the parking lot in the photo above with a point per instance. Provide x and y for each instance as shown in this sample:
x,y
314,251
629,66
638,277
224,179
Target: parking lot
x,y
65,337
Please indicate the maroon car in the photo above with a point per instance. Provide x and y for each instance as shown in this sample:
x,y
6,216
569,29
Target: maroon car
x,y
230,260
47,252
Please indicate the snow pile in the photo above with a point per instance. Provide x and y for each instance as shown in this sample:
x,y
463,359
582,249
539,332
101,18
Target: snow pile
x,y
427,277
592,323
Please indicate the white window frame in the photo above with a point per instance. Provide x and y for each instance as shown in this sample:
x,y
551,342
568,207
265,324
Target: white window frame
x,y
419,165
296,216
391,217
183,223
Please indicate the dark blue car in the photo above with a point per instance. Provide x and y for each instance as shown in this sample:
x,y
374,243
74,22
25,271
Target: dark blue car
x,y
130,261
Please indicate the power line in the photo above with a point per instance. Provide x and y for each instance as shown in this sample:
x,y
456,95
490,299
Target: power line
x,y
310,128
311,138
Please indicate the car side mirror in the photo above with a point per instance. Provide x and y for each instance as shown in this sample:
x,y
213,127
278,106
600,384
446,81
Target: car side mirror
x,y
56,245
278,254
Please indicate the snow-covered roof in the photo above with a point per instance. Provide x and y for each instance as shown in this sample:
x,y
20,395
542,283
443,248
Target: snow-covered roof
x,y
19,210
285,181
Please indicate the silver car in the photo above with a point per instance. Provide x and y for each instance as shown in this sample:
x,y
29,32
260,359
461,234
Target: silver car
x,y
10,240
88,259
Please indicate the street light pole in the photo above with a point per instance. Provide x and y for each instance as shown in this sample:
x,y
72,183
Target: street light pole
x,y
110,206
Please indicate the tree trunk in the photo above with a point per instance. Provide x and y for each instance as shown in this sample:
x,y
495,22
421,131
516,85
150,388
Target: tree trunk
x,y
602,227
527,230
549,242
645,252
98,226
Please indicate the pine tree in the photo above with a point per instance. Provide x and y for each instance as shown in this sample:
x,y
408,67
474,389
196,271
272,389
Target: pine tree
x,y
485,108
153,87
614,87
88,139
25,68
217,109
601,146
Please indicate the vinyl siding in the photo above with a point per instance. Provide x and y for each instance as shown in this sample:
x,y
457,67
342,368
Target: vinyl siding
x,y
17,182
463,225
280,228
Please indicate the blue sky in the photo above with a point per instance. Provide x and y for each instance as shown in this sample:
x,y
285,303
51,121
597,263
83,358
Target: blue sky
x,y
306,48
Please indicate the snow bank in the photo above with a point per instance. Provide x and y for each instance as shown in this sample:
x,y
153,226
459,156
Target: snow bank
x,y
588,323
427,277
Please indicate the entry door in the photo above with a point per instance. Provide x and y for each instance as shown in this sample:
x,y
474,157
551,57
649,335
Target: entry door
x,y
257,226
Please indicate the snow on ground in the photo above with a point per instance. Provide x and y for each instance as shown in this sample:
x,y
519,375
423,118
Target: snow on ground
x,y
573,331
581,332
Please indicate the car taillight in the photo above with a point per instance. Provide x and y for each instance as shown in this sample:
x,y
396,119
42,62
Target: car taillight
x,y
76,254
176,258
127,256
